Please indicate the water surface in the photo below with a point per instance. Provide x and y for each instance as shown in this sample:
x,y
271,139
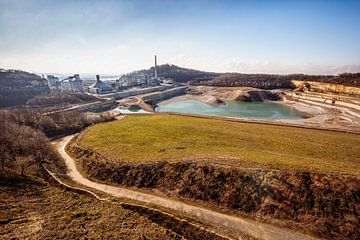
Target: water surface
x,y
255,110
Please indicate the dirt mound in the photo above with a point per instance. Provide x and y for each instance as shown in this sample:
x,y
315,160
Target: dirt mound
x,y
236,94
322,204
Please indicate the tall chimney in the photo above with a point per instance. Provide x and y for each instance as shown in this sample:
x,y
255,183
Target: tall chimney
x,y
155,67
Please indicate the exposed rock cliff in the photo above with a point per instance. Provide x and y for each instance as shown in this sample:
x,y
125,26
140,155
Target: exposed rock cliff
x,y
236,94
327,87
257,96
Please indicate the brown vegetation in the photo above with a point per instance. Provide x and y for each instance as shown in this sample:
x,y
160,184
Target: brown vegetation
x,y
273,81
23,149
53,124
176,73
17,87
38,210
24,143
61,99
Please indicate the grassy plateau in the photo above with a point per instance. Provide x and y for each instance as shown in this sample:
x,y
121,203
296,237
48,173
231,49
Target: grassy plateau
x,y
175,138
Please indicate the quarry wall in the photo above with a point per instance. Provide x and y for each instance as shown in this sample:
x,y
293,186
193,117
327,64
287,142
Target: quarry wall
x,y
159,96
328,87
124,94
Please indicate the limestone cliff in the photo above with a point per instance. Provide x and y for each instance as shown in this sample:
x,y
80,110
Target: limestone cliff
x,y
327,87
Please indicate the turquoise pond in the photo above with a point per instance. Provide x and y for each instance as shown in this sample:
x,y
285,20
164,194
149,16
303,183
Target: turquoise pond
x,y
253,110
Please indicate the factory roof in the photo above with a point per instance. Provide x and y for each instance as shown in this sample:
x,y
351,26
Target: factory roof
x,y
101,85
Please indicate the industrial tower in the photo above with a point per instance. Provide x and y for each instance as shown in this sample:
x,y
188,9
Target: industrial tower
x,y
155,68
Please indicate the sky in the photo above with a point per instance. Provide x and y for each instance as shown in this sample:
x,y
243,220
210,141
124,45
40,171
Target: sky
x,y
115,37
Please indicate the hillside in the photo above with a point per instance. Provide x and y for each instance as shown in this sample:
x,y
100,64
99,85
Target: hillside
x,y
264,81
173,72
298,178
175,138
17,87
273,81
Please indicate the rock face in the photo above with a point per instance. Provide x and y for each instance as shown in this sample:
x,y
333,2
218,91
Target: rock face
x,y
327,87
324,205
17,87
237,94
257,96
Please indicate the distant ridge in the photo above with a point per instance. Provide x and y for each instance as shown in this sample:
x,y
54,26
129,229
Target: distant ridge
x,y
265,81
176,73
271,81
17,87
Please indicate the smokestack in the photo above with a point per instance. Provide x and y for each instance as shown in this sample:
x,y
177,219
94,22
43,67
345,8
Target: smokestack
x,y
97,77
155,67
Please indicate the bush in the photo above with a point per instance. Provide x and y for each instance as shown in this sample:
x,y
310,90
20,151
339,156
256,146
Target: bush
x,y
61,99
54,124
23,149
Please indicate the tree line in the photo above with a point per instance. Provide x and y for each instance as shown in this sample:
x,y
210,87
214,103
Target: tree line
x,y
274,81
24,143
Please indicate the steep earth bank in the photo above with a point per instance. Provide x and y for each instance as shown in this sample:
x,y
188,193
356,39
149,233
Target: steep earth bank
x,y
325,205
243,94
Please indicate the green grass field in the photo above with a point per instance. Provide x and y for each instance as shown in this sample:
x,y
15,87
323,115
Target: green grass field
x,y
172,138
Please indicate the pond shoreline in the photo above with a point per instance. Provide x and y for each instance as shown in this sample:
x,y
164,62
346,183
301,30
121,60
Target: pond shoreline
x,y
267,110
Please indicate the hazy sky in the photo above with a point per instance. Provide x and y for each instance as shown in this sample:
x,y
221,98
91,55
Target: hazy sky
x,y
119,36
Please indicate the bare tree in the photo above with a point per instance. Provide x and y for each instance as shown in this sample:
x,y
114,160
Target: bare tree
x,y
3,156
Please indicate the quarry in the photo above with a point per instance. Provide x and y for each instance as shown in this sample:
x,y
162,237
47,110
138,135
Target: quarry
x,y
179,120
215,157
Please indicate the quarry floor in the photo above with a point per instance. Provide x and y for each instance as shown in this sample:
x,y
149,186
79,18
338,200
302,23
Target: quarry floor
x,y
344,115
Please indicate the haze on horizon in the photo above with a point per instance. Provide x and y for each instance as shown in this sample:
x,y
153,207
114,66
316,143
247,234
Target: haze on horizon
x,y
114,37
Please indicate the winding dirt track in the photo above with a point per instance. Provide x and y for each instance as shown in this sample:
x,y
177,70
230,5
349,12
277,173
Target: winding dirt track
x,y
247,226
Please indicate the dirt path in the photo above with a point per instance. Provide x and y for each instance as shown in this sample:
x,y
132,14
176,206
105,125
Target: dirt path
x,y
247,226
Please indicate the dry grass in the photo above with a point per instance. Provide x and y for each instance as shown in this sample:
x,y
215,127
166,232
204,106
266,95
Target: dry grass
x,y
29,210
171,138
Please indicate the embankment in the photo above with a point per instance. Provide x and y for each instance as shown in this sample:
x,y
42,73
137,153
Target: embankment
x,y
134,92
154,98
241,94
323,204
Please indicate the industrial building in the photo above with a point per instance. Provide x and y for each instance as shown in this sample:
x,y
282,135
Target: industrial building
x,y
99,87
52,81
71,84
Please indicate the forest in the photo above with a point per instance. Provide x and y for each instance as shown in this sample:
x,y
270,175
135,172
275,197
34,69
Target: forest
x,y
273,81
